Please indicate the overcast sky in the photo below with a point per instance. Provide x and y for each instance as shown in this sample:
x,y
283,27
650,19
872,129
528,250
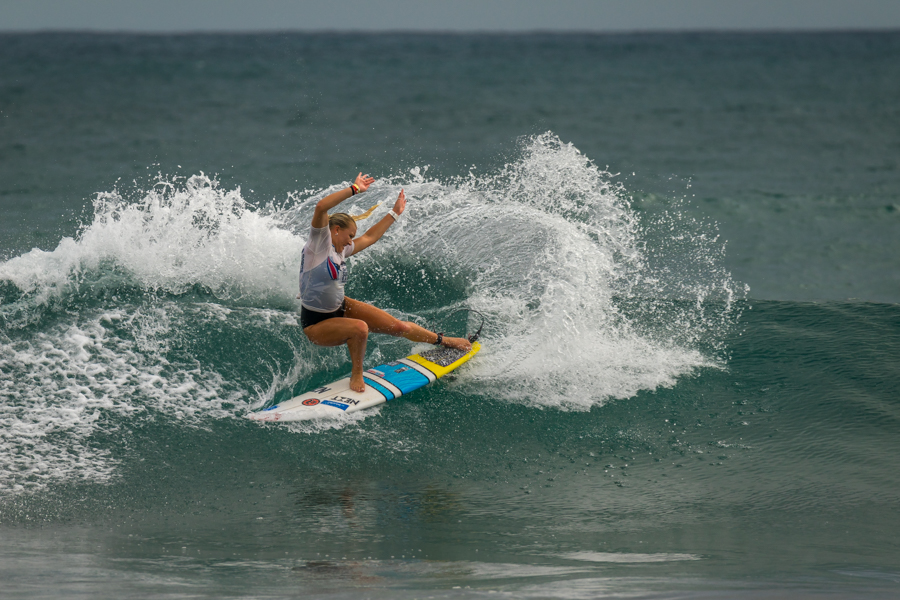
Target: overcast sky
x,y
446,15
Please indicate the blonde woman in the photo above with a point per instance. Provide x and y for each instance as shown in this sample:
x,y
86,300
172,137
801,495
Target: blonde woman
x,y
328,317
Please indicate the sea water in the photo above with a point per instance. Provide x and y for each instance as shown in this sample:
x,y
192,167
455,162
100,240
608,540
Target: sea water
x,y
684,249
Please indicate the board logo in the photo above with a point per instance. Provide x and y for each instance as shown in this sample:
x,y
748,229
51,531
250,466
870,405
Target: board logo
x,y
346,400
310,402
339,405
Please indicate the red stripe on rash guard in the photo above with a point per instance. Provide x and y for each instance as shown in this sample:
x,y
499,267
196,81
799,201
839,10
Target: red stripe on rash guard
x,y
332,268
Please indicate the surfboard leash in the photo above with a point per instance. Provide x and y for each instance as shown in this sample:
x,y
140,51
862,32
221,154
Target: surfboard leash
x,y
472,337
477,334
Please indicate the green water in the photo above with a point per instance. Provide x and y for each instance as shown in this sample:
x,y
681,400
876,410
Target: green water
x,y
688,386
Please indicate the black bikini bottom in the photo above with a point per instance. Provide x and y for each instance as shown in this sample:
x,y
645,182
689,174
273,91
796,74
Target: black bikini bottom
x,y
311,317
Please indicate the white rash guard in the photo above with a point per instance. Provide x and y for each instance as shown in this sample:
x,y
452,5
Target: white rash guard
x,y
323,272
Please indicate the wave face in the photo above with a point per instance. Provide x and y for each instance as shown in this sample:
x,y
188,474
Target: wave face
x,y
627,390
176,303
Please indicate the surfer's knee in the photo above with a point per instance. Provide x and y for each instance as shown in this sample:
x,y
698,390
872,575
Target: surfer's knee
x,y
360,330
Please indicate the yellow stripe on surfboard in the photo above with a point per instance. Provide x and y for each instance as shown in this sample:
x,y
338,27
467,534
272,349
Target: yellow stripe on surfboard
x,y
440,371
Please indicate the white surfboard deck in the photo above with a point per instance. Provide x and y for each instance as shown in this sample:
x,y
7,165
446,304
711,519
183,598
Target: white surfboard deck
x,y
384,382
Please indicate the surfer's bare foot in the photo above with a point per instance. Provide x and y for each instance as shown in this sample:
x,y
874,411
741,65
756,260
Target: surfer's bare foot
x,y
457,343
357,383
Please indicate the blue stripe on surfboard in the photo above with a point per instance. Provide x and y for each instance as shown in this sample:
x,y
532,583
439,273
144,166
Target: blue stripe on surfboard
x,y
388,394
404,378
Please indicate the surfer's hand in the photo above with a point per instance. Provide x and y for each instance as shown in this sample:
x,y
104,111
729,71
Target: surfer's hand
x,y
364,181
400,204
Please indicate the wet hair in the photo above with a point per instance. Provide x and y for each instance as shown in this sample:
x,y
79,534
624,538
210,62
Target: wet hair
x,y
343,220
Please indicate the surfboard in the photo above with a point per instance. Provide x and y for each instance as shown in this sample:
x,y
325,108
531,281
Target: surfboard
x,y
384,382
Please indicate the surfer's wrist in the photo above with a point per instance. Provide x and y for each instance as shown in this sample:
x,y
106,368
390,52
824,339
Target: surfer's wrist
x,y
354,189
394,215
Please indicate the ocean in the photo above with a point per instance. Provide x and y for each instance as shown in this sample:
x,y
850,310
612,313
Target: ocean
x,y
684,246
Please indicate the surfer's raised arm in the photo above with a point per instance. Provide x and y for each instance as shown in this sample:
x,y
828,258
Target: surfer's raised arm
x,y
320,216
328,317
374,233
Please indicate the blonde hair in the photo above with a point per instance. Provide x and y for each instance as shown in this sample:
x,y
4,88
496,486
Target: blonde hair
x,y
343,220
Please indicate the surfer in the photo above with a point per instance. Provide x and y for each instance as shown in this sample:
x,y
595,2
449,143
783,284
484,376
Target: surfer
x,y
328,317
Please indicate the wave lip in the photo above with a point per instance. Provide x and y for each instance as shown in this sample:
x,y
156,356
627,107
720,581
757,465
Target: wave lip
x,y
586,300
173,237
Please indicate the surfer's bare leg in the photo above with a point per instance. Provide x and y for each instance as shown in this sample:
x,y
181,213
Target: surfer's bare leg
x,y
381,322
341,330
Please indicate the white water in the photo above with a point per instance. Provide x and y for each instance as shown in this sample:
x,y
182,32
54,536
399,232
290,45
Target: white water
x,y
548,248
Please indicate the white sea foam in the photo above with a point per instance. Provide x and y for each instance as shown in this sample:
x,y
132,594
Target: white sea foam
x,y
337,422
579,312
627,557
61,384
171,238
